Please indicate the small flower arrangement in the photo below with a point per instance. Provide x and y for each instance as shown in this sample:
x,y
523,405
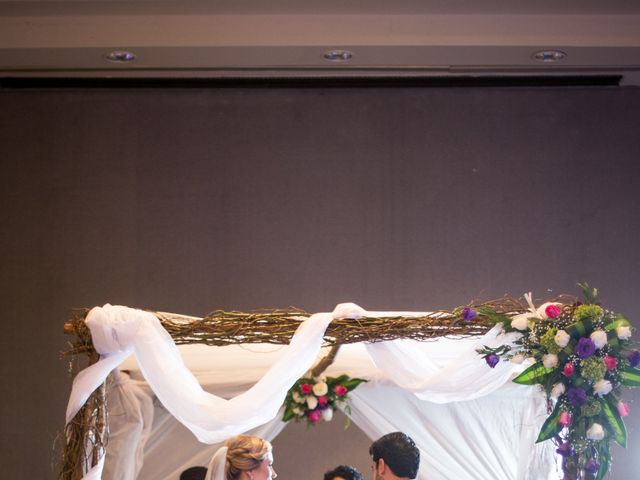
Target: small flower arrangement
x,y
582,356
315,399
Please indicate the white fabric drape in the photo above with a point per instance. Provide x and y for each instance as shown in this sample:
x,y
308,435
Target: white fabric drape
x,y
414,369
130,419
488,438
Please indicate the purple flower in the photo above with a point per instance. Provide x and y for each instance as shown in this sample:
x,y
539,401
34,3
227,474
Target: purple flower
x,y
468,314
492,360
577,396
634,358
566,450
585,347
592,466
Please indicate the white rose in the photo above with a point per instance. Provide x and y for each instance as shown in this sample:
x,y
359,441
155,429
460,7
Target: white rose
x,y
602,387
624,333
327,414
562,338
595,432
550,360
517,358
521,321
320,388
298,411
297,397
599,338
557,390
312,402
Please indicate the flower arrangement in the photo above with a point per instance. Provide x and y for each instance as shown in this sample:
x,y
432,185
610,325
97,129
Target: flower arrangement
x,y
582,357
314,399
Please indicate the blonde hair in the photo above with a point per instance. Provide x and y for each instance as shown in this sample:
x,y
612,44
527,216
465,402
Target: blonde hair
x,y
245,452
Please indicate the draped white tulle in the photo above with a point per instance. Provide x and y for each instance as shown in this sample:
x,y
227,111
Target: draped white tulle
x,y
407,366
215,470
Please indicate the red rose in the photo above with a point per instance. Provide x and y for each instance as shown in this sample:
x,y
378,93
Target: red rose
x,y
314,416
340,390
323,400
610,362
553,311
306,389
568,369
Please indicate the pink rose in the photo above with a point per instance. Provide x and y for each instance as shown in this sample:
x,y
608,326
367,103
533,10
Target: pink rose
x,y
340,390
623,409
565,419
568,369
306,389
553,311
314,416
610,362
323,400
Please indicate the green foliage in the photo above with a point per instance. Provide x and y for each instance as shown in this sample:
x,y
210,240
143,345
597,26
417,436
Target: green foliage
x,y
536,373
551,427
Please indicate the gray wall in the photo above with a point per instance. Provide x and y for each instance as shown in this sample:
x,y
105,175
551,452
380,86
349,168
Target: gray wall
x,y
187,200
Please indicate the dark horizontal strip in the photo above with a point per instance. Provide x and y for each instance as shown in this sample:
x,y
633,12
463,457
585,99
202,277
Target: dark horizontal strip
x,y
314,82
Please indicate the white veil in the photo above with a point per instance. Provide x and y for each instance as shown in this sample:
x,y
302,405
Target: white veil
x,y
215,470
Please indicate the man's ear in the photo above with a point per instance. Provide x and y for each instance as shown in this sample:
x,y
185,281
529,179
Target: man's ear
x,y
382,467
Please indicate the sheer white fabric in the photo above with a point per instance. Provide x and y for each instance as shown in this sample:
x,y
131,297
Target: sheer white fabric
x,y
421,374
130,419
215,470
489,438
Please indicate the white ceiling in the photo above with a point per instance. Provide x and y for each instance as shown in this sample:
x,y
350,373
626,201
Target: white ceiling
x,y
194,38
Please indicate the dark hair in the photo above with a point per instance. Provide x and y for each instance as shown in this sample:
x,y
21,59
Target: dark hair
x,y
344,471
399,452
194,473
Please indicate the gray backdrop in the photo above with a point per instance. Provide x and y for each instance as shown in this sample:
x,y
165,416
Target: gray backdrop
x,y
187,200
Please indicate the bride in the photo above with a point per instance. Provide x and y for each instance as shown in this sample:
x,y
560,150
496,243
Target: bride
x,y
244,457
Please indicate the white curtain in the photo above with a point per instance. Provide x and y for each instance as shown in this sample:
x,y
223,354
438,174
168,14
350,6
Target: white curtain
x,y
488,438
418,376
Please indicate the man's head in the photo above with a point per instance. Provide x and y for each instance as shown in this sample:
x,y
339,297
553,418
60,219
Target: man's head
x,y
343,472
394,455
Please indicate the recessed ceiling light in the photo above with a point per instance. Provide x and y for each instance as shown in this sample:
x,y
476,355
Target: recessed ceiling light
x,y
549,56
120,56
338,55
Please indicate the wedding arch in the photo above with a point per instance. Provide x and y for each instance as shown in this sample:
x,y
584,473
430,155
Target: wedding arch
x,y
469,420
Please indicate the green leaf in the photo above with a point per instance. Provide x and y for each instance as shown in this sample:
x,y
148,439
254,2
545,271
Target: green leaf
x,y
630,377
604,458
580,328
288,415
590,294
620,321
536,373
616,424
550,427
604,468
353,383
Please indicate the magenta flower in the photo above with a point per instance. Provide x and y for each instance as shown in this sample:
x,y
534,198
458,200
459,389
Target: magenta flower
x,y
585,347
492,360
610,362
623,409
634,358
306,389
565,419
566,450
577,396
323,401
592,466
340,390
568,369
553,311
314,416
468,314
